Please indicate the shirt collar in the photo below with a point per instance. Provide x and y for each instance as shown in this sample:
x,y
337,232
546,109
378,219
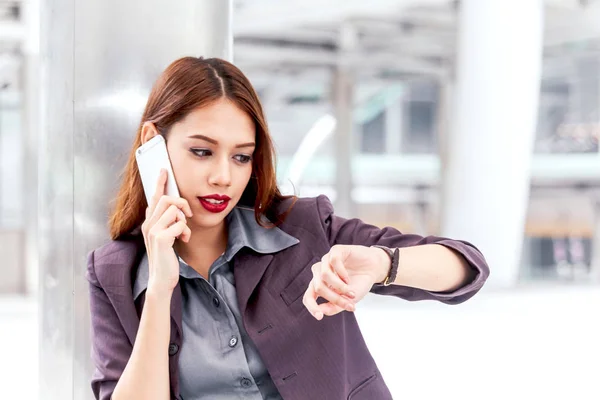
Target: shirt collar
x,y
243,231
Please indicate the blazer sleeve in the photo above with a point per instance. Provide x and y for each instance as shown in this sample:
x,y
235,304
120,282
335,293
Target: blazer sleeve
x,y
355,232
110,346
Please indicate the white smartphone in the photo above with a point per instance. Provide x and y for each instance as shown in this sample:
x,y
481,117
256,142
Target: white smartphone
x,y
151,157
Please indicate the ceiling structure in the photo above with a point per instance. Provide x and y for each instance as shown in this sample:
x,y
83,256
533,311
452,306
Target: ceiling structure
x,y
289,48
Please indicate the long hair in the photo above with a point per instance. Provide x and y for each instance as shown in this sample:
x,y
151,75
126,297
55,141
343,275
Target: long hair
x,y
186,84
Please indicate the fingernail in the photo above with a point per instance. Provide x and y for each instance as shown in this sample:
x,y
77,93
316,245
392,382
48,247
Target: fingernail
x,y
318,315
351,294
350,307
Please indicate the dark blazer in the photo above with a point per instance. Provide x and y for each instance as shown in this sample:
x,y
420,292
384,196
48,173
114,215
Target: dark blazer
x,y
307,359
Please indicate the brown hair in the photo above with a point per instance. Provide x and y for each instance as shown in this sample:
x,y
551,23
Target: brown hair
x,y
186,84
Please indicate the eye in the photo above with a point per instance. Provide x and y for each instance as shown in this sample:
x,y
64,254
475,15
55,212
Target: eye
x,y
243,158
201,152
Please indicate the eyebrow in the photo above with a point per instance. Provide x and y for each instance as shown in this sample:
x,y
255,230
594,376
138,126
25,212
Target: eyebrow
x,y
213,141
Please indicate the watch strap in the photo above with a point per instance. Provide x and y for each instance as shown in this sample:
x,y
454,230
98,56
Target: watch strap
x,y
394,255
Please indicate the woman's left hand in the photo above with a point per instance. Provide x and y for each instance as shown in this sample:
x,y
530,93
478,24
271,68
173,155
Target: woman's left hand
x,y
343,277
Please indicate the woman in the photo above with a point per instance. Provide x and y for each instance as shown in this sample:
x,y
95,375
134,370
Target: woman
x,y
214,295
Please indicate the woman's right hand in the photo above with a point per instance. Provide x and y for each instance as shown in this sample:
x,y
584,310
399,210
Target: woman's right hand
x,y
165,222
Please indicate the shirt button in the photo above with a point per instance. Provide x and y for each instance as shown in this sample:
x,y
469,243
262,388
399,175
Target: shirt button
x,y
173,349
216,302
246,382
233,341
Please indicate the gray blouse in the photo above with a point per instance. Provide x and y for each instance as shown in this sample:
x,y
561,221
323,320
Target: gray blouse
x,y
218,360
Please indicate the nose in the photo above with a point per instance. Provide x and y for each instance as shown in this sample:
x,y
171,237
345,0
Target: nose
x,y
221,173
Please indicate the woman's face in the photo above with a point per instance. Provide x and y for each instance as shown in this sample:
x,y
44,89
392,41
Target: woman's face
x,y
211,153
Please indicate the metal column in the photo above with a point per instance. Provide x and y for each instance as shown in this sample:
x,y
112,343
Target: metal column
x,y
30,125
98,61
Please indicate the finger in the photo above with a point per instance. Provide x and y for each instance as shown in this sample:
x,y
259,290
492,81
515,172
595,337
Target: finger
x,y
332,279
330,309
159,195
160,189
187,233
176,229
310,302
168,218
336,261
331,296
179,201
185,207
167,201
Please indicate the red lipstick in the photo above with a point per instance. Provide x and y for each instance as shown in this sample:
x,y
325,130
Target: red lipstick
x,y
215,203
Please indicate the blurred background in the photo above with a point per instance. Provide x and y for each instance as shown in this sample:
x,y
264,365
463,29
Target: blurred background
x,y
474,119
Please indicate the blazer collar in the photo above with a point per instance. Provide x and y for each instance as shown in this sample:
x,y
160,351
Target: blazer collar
x,y
244,232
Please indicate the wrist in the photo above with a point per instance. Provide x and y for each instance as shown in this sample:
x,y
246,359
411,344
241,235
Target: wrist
x,y
159,291
383,264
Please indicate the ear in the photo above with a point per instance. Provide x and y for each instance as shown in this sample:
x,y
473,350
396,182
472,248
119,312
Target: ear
x,y
148,131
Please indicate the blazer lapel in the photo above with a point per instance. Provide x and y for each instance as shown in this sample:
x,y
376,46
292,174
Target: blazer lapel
x,y
117,285
176,306
126,310
248,270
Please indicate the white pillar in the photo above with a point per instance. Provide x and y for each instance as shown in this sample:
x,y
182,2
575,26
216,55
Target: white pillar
x,y
393,125
595,264
487,169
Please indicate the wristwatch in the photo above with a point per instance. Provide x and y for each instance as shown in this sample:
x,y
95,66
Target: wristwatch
x,y
394,258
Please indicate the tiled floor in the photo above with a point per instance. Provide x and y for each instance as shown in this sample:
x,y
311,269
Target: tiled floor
x,y
534,343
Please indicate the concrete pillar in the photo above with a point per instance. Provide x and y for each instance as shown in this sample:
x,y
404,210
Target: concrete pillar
x,y
343,101
98,61
443,128
11,193
393,125
487,169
